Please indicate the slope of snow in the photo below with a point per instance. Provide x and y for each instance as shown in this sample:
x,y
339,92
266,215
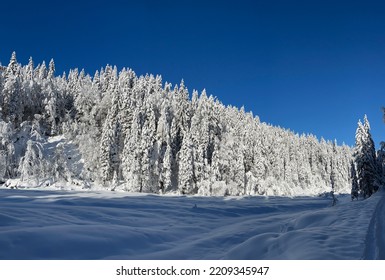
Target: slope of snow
x,y
375,245
47,224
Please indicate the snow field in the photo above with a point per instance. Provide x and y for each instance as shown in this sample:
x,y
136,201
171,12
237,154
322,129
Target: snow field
x,y
37,224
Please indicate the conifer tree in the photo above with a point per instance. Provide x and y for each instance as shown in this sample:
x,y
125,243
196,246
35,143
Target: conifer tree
x,y
164,149
109,160
59,167
30,70
166,174
7,150
42,71
31,164
186,167
365,159
133,155
51,69
12,106
355,186
381,162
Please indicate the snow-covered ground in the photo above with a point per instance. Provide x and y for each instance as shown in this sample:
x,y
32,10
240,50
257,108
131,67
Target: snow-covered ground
x,y
48,224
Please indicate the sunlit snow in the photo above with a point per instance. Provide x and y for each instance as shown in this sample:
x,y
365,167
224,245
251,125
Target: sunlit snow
x,y
49,224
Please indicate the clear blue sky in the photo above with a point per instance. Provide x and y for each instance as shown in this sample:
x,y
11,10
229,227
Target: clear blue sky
x,y
311,66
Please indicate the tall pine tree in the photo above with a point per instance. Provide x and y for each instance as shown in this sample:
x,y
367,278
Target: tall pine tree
x,y
365,159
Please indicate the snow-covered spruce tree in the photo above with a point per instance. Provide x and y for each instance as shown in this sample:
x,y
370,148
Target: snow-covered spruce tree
x,y
133,155
200,138
85,99
7,151
31,165
3,165
51,101
186,167
338,171
149,152
165,181
381,162
59,166
164,160
355,187
12,106
3,153
31,92
109,158
163,149
381,156
125,115
365,159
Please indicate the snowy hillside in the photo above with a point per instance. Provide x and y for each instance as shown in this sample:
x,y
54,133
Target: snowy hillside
x,y
140,134
36,224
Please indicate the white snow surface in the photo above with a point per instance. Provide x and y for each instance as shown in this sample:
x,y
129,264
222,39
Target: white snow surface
x,y
52,224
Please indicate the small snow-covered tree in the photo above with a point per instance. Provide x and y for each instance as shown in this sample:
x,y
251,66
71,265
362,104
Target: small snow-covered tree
x,y
59,166
31,165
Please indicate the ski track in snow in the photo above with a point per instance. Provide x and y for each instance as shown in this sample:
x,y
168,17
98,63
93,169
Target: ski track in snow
x,y
375,238
36,224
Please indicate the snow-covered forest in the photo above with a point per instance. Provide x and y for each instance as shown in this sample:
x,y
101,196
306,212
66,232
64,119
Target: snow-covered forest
x,y
123,132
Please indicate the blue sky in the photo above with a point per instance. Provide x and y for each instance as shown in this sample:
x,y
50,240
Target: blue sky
x,y
310,66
